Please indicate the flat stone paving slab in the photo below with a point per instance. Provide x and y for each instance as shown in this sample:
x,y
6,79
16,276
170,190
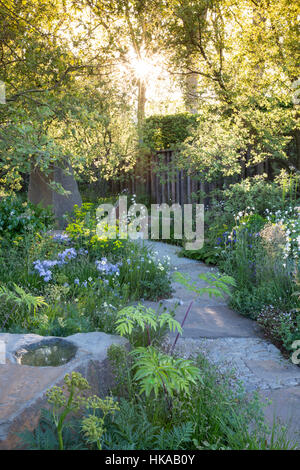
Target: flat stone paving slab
x,y
211,321
271,369
256,363
285,409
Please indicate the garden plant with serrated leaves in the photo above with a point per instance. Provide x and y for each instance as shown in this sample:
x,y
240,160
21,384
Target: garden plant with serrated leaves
x,y
144,326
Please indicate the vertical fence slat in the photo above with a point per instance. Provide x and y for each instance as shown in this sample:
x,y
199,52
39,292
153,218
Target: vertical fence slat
x,y
168,177
158,180
178,187
188,182
173,181
163,181
182,199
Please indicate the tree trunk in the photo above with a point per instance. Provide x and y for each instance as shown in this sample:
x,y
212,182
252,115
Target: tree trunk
x,y
191,86
141,107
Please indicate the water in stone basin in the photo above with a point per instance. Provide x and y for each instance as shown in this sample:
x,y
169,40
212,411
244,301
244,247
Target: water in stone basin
x,y
52,352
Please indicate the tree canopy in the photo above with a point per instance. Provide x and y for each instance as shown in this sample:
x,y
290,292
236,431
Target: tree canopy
x,y
80,75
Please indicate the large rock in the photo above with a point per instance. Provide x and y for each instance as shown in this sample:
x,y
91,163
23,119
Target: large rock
x,y
23,387
40,192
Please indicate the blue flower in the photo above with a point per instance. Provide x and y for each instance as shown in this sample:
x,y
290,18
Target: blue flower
x,y
106,268
61,238
44,268
67,255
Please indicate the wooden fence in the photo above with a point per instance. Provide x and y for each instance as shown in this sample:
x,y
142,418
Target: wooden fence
x,y
158,180
161,182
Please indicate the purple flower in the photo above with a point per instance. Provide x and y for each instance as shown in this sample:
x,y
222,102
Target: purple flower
x,y
67,255
44,268
61,238
106,268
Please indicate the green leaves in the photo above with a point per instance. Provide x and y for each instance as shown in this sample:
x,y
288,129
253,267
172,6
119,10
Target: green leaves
x,y
166,132
18,217
30,301
62,405
166,319
140,317
133,316
176,437
93,426
157,372
248,67
219,285
21,299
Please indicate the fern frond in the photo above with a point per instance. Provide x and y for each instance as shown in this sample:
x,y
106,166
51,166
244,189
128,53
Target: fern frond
x,y
175,438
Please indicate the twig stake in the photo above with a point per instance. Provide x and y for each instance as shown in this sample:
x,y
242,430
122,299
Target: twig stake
x,y
182,324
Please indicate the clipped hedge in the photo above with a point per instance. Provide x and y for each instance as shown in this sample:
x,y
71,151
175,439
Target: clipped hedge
x,y
166,132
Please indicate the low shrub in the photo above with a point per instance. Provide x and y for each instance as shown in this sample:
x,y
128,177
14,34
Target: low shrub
x,y
18,218
282,327
258,194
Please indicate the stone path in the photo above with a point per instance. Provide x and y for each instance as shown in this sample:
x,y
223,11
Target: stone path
x,y
233,342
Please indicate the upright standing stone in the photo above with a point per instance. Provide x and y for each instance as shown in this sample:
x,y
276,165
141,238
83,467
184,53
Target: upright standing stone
x,y
40,191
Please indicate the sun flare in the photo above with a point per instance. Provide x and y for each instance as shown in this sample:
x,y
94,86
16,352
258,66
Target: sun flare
x,y
163,94
143,68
